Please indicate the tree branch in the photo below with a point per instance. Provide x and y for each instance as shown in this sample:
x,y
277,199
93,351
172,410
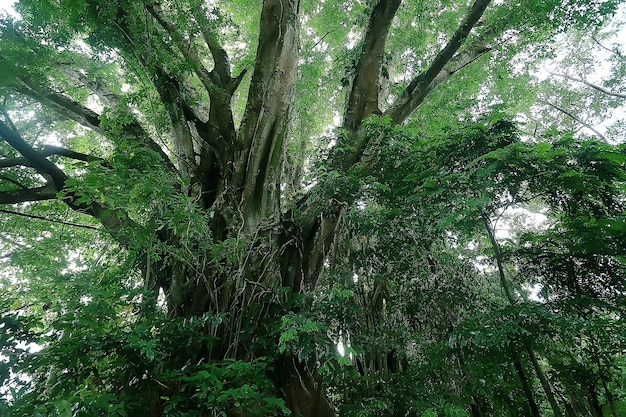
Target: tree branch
x,y
31,216
49,150
73,110
576,119
594,86
220,56
615,51
360,143
169,90
424,83
44,167
220,117
47,192
62,105
7,118
184,46
109,218
218,83
363,97
12,181
94,83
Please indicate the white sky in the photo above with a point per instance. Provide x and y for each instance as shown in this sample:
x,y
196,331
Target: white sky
x,y
7,5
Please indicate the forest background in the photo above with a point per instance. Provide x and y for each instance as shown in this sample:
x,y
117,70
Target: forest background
x,y
286,207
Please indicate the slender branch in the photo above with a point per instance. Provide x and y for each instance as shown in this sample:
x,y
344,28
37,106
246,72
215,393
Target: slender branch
x,y
576,119
322,39
221,74
184,46
498,256
511,299
422,84
32,216
594,86
7,119
238,79
615,51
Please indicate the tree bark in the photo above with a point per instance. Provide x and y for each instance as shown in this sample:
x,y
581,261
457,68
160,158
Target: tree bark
x,y
525,343
530,398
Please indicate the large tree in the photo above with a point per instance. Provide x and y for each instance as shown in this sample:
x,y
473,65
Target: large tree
x,y
228,148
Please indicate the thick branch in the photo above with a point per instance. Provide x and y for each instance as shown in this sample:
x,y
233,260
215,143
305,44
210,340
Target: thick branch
x,y
47,192
169,90
73,110
63,105
185,46
221,74
360,143
97,85
422,84
220,118
363,97
36,160
263,129
109,219
48,150
218,83
220,56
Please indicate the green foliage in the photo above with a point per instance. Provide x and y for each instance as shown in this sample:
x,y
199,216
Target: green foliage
x,y
101,350
187,310
452,318
219,387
